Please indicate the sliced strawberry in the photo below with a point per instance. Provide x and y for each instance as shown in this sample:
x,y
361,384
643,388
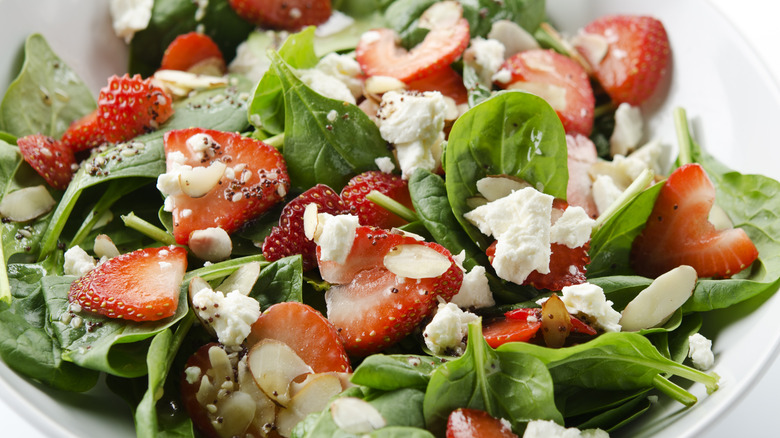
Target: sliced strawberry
x,y
577,326
193,51
637,56
558,79
130,106
501,330
288,237
307,332
51,158
354,196
475,423
283,14
581,156
446,81
255,179
85,133
379,54
374,307
678,231
142,285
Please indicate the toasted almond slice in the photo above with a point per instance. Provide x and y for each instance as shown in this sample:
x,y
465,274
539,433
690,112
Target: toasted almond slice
x,y
242,280
514,38
312,397
274,365
104,247
416,261
211,244
594,47
441,15
719,218
378,85
494,187
312,228
356,416
656,304
27,204
198,181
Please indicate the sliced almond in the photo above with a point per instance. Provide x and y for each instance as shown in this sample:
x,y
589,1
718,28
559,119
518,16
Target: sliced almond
x,y
236,410
442,15
104,247
274,365
198,181
311,225
719,219
356,416
556,322
181,83
593,47
242,280
265,409
494,187
378,85
27,204
313,397
552,94
416,261
211,244
514,38
658,302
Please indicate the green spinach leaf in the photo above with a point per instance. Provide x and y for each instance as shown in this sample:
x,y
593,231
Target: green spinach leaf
x,y
389,372
279,281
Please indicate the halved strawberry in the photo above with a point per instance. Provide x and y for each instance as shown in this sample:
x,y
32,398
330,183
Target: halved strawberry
x,y
307,332
475,423
51,158
288,237
255,178
577,326
354,196
130,106
142,285
678,231
194,52
379,54
374,307
582,155
446,81
501,330
559,80
283,14
85,133
637,56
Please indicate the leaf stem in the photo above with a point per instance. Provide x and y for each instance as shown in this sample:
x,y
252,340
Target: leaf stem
x,y
673,391
223,269
147,229
5,286
683,136
277,141
392,206
633,190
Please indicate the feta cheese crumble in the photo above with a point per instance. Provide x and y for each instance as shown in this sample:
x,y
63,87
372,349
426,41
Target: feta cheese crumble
x,y
385,164
590,300
551,429
474,292
700,352
628,129
78,262
231,316
485,56
447,330
573,228
130,16
338,234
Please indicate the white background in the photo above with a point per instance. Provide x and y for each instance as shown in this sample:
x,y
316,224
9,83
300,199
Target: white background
x,y
756,413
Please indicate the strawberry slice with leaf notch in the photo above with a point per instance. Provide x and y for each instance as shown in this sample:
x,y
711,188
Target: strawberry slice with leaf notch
x,y
52,159
142,285
387,285
678,231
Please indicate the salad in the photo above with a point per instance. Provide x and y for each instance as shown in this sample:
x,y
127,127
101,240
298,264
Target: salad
x,y
127,351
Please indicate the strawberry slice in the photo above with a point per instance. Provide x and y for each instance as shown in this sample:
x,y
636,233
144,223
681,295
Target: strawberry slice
x,y
637,56
194,52
446,81
51,158
374,307
475,423
678,231
142,285
379,54
354,196
85,133
283,14
559,80
254,180
288,237
582,155
501,330
307,332
577,326
130,106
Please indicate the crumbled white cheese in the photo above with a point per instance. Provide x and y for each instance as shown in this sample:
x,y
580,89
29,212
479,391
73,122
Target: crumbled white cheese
x,y
78,262
474,292
231,316
700,352
447,330
130,16
573,228
385,164
551,429
485,56
250,62
414,123
589,299
192,374
628,129
200,142
168,182
338,234
344,68
337,22
514,38
326,85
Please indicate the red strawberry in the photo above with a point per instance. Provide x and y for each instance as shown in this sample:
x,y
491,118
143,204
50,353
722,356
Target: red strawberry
x,y
581,156
374,307
288,238
85,133
283,14
142,285
558,79
255,179
446,81
577,326
354,196
307,332
51,158
518,328
475,423
195,52
637,56
678,231
379,54
130,106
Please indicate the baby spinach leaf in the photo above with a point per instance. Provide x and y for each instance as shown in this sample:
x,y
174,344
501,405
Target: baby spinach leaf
x,y
481,14
576,402
46,96
403,16
617,417
28,345
321,148
506,384
513,133
359,8
171,18
397,371
279,281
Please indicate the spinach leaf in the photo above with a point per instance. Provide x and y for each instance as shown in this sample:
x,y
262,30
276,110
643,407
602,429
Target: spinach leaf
x,y
513,133
576,402
171,18
359,8
506,384
46,96
280,281
403,17
391,372
317,147
481,14
617,417
28,346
